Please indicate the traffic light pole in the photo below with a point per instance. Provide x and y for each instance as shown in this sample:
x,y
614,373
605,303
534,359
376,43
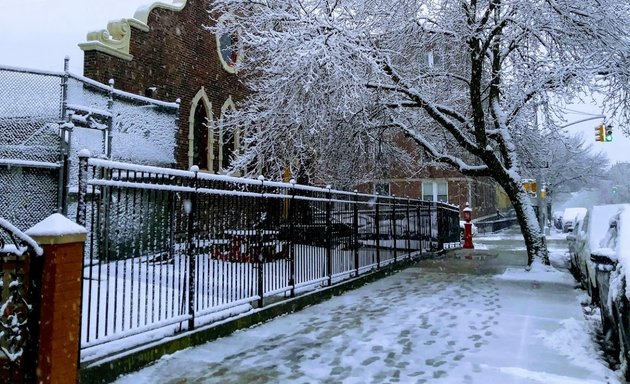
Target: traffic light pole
x,y
594,117
542,211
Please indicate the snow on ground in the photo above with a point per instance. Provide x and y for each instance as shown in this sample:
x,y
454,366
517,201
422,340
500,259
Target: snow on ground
x,y
427,324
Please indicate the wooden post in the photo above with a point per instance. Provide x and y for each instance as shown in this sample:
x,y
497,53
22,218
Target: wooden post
x,y
60,309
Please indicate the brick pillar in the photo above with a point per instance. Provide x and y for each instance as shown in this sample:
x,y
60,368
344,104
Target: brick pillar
x,y
60,314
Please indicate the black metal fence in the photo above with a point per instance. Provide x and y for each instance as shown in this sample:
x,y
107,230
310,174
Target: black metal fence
x,y
20,285
497,223
170,250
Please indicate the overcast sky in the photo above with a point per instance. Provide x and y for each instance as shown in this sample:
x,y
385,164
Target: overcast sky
x,y
38,34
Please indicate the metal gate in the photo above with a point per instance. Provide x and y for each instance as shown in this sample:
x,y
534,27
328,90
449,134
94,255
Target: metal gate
x,y
20,282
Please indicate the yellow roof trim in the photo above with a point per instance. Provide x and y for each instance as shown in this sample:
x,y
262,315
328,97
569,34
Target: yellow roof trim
x,y
116,38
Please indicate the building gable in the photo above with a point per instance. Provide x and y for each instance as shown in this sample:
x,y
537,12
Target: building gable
x,y
165,52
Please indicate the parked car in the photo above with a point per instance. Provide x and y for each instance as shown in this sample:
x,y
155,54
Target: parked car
x,y
571,243
569,217
612,260
557,219
591,231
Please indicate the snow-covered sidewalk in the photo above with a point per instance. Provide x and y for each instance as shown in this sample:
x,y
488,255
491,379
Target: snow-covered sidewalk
x,y
428,324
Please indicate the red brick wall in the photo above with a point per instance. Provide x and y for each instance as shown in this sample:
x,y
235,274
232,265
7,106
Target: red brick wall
x,y
482,190
178,56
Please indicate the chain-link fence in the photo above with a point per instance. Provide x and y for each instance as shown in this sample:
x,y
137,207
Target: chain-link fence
x,y
46,118
30,110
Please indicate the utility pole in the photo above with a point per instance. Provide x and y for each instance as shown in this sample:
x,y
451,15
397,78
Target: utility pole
x,y
542,210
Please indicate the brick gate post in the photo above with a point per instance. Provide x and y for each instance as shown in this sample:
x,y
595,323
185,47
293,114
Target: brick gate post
x,y
60,314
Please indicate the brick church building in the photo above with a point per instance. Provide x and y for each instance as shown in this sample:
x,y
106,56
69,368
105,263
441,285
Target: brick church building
x,y
164,52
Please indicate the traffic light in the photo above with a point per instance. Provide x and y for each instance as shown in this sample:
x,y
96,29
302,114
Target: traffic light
x,y
608,136
599,133
530,186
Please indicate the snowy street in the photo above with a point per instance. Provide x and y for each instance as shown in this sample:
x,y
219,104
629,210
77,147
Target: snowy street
x,y
466,318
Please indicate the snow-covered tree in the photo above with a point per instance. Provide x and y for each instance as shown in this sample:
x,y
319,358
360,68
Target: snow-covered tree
x,y
567,164
615,189
465,80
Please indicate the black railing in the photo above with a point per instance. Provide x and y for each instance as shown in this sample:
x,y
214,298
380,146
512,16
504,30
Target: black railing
x,y
20,288
170,250
496,224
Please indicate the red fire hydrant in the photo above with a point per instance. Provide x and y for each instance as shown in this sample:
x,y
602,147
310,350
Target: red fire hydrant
x,y
467,212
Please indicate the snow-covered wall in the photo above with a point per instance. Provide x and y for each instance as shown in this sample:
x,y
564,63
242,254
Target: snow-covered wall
x,y
143,129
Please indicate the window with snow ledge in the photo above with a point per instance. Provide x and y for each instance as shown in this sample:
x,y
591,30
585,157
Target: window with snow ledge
x,y
435,191
227,46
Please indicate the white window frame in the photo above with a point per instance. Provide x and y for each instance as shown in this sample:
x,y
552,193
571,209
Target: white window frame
x,y
434,189
200,97
226,66
228,104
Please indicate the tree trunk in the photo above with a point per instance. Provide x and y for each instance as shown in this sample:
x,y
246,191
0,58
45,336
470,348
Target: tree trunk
x,y
532,233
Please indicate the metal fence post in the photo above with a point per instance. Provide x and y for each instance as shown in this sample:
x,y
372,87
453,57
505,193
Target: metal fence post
x,y
329,236
355,232
440,223
35,277
377,220
291,244
64,143
84,155
191,251
430,227
418,232
394,229
110,121
408,231
64,87
260,261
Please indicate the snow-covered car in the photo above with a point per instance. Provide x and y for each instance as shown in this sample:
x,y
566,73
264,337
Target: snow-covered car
x,y
569,217
591,231
557,219
571,243
612,261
